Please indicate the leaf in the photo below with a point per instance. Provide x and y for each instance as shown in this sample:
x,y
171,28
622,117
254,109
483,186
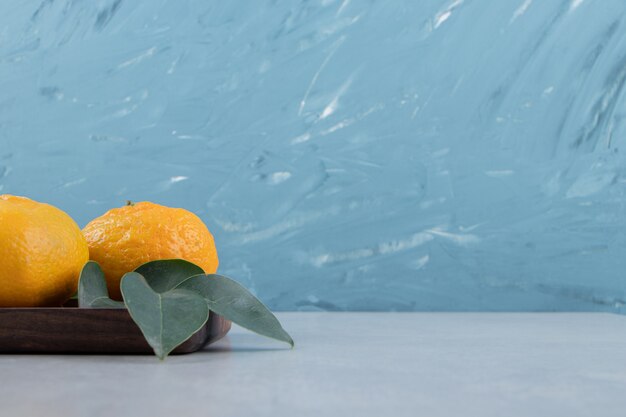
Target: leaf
x,y
234,302
92,288
166,319
166,274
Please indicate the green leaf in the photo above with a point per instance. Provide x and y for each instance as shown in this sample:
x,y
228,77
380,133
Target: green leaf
x,y
92,288
166,319
166,274
234,302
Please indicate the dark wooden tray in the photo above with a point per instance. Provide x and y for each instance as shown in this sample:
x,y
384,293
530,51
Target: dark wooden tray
x,y
88,330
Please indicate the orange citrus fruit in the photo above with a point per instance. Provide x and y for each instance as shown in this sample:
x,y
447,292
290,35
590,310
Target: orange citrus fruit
x,y
124,238
42,252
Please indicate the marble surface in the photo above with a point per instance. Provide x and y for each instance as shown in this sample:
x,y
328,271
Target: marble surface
x,y
361,364
347,155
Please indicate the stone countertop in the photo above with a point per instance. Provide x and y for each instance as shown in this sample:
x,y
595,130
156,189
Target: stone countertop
x,y
349,364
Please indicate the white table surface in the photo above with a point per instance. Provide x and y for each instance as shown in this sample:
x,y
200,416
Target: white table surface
x,y
349,364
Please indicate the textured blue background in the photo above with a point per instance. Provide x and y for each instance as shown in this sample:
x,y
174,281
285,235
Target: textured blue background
x,y
385,155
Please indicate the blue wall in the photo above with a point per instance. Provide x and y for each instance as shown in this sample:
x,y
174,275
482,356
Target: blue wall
x,y
385,155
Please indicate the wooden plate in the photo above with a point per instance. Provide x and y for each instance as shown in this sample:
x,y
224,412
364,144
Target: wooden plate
x,y
88,330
